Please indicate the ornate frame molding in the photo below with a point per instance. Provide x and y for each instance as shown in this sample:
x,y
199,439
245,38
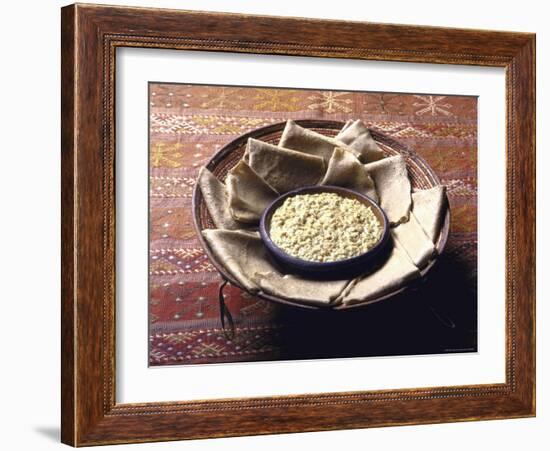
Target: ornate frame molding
x,y
90,36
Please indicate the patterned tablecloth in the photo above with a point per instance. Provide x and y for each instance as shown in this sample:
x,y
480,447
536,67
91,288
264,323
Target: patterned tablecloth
x,y
188,123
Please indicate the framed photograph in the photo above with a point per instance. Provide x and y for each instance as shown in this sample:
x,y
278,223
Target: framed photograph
x,y
279,225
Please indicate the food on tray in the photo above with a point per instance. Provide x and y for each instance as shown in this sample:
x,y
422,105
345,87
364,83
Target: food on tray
x,y
324,227
315,233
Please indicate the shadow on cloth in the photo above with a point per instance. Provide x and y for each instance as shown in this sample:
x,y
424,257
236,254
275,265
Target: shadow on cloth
x,y
438,317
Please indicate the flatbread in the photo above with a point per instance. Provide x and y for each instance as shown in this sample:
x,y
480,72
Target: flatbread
x,y
283,169
249,194
217,200
393,187
305,140
429,207
247,260
414,241
356,135
395,272
345,170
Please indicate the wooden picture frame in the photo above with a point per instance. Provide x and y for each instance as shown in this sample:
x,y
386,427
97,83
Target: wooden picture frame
x,y
90,36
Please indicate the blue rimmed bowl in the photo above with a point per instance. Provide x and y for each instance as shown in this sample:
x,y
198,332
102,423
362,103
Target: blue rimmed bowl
x,y
326,270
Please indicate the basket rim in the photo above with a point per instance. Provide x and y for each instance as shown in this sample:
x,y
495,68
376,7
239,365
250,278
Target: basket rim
x,y
378,136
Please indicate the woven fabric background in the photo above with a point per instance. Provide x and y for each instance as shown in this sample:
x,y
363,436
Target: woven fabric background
x,y
189,123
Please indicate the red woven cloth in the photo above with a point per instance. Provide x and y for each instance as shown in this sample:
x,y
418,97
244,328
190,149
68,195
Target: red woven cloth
x,y
189,123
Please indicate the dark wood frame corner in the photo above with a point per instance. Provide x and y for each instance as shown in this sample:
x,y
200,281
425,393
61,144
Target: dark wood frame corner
x,y
90,36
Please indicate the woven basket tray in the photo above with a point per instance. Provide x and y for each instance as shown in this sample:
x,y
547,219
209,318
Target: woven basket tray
x,y
421,175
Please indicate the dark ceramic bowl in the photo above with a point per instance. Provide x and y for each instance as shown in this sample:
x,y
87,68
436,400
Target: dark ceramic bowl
x,y
324,270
